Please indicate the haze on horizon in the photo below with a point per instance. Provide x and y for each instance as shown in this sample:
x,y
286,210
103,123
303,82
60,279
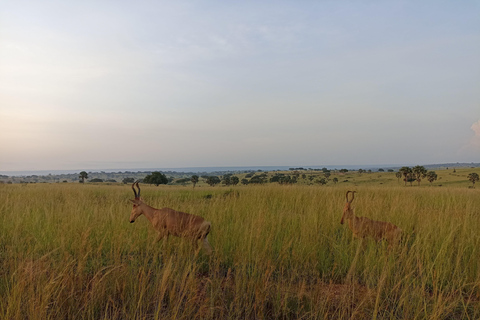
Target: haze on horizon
x,y
145,84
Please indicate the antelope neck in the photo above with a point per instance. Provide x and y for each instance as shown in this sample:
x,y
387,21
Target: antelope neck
x,y
148,212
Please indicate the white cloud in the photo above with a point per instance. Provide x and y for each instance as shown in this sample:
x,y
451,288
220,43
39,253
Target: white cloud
x,y
475,141
476,128
470,151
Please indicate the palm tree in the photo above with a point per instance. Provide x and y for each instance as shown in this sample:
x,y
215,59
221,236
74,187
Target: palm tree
x,y
83,175
419,172
473,177
398,175
194,180
406,171
431,176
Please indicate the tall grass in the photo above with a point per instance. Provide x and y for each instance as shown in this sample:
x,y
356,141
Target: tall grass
x,y
68,251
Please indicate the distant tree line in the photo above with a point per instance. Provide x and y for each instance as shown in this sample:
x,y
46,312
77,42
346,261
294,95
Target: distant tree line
x,y
295,175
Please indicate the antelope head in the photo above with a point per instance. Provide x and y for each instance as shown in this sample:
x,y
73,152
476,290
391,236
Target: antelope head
x,y
137,204
347,210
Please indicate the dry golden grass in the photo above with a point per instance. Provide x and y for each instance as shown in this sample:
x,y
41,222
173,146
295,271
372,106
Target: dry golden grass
x,y
69,251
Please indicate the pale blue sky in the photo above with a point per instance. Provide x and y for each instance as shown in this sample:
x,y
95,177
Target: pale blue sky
x,y
119,84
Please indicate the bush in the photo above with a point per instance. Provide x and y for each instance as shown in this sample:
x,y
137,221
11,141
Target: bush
x,y
156,178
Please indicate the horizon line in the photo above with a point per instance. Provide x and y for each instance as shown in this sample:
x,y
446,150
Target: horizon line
x,y
219,168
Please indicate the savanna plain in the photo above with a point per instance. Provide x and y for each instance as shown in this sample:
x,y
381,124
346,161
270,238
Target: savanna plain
x,y
68,251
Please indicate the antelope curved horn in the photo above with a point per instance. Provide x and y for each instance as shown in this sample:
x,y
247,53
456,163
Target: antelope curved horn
x,y
346,196
134,191
353,196
138,189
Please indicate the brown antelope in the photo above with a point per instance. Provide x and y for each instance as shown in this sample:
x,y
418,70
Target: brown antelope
x,y
167,221
366,228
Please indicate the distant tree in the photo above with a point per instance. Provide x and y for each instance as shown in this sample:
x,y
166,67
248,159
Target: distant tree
x,y
128,180
157,178
473,177
213,180
227,179
258,179
234,180
284,179
381,170
419,173
360,171
431,176
322,181
390,170
96,180
343,170
244,181
194,180
335,180
287,179
406,172
276,177
327,174
111,180
83,175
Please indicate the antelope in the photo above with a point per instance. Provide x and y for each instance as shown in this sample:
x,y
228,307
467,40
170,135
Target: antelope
x,y
366,228
168,222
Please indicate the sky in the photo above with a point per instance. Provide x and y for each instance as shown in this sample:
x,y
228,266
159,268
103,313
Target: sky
x,y
172,84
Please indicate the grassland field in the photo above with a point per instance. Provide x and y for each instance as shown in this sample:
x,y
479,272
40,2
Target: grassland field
x,y
68,251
